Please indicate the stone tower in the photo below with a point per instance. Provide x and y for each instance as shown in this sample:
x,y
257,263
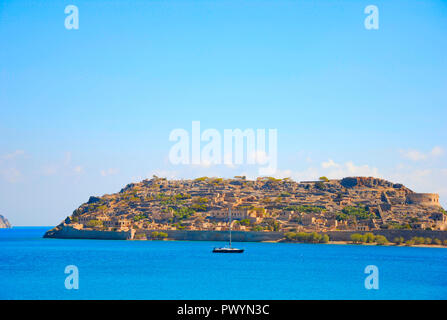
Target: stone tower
x,y
424,199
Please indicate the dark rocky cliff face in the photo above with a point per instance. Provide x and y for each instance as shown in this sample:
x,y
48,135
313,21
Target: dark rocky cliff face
x,y
4,223
370,182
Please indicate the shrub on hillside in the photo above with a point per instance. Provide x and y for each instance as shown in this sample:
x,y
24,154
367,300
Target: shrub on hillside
x,y
305,237
381,240
156,235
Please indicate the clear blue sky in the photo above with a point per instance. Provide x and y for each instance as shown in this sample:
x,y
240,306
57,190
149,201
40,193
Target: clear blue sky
x,y
84,112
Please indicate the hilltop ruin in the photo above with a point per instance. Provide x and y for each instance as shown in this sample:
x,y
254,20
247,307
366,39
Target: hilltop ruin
x,y
266,204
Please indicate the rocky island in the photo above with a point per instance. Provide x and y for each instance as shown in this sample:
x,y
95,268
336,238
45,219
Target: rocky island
x,y
4,223
265,209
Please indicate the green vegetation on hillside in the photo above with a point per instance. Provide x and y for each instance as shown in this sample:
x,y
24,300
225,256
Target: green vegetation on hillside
x,y
305,237
305,209
358,213
94,224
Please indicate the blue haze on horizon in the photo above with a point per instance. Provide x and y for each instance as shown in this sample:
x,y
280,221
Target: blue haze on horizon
x,y
84,112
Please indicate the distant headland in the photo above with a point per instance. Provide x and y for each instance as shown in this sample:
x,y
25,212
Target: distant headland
x,y
265,209
4,223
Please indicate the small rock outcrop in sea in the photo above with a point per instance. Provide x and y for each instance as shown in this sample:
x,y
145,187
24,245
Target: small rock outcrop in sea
x,y
4,223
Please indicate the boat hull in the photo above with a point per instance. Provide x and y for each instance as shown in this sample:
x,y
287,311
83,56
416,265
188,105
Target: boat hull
x,y
227,250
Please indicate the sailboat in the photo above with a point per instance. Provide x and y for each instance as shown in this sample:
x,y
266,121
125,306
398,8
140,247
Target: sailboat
x,y
228,249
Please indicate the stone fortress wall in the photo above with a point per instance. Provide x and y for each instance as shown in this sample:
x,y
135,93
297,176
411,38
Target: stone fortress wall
x,y
237,236
68,232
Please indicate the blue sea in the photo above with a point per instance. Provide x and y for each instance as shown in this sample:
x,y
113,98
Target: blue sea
x,y
33,268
